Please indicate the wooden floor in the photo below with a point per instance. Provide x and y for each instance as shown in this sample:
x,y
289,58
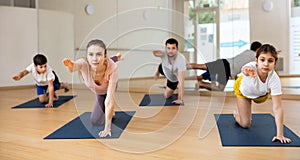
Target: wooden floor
x,y
159,133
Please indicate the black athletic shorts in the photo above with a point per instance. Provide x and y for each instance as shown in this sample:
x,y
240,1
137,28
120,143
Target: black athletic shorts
x,y
171,85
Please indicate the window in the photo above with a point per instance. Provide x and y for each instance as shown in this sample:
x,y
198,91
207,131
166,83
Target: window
x,y
222,28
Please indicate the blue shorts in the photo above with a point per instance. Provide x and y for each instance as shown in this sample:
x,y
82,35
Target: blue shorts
x,y
43,89
207,76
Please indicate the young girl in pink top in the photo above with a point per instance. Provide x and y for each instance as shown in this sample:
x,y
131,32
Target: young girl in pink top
x,y
100,75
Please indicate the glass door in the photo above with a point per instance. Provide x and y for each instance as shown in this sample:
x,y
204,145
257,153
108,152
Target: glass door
x,y
294,57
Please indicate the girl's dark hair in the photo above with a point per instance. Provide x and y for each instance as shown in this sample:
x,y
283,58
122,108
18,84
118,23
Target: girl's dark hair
x,y
172,41
267,48
39,59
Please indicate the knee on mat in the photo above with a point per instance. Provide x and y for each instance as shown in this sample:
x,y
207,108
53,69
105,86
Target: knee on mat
x,y
245,124
167,96
97,121
42,100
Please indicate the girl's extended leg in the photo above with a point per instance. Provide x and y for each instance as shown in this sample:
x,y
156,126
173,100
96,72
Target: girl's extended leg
x,y
243,117
98,114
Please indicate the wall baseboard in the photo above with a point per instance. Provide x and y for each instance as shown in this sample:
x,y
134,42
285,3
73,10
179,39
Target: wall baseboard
x,y
17,87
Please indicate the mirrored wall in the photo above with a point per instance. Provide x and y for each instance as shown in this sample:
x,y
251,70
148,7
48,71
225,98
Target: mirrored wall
x,y
206,29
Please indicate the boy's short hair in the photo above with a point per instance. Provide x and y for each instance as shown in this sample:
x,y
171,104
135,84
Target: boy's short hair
x,y
39,59
255,45
172,41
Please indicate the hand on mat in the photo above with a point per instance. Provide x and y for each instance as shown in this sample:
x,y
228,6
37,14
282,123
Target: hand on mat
x,y
104,133
282,139
177,101
49,105
249,71
68,63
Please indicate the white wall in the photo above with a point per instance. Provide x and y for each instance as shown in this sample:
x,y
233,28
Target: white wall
x,y
18,43
56,39
114,18
132,27
271,27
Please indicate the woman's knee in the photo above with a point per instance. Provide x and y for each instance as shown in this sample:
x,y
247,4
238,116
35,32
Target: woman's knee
x,y
96,121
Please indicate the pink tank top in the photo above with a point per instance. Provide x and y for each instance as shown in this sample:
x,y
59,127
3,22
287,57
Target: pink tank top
x,y
110,76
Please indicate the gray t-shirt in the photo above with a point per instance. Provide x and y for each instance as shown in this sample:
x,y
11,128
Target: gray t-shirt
x,y
171,70
237,62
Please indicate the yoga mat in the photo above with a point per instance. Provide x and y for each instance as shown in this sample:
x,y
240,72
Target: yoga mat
x,y
36,104
159,100
260,133
293,87
185,87
81,127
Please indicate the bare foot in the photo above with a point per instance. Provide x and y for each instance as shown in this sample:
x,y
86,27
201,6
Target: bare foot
x,y
120,56
55,97
66,87
66,90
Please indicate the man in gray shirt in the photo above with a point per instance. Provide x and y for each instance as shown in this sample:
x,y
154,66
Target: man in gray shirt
x,y
173,66
219,71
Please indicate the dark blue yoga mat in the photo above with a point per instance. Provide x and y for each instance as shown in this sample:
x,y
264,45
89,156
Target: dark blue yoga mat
x,y
81,127
260,133
159,100
293,87
36,104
